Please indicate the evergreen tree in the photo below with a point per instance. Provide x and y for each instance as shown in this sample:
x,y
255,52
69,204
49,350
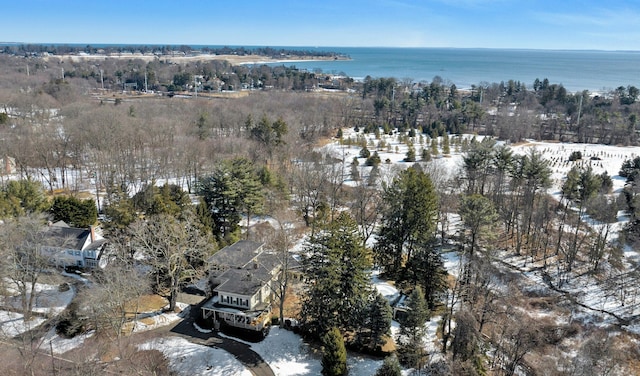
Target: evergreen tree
x,y
268,134
374,175
232,189
390,367
434,146
411,155
408,218
478,213
334,354
119,211
73,211
379,321
412,331
477,165
630,169
340,286
373,160
426,155
446,149
426,269
20,197
168,199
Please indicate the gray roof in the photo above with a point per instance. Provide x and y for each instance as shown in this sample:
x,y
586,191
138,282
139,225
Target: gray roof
x,y
68,237
60,235
244,281
237,255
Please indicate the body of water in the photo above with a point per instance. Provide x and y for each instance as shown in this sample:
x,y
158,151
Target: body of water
x,y
596,71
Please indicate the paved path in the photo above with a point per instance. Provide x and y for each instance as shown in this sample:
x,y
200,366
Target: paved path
x,y
241,351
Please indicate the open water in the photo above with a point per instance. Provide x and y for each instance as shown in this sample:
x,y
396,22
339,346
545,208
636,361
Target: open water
x,y
596,71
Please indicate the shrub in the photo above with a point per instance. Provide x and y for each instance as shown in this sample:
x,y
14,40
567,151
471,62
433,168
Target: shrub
x,y
575,156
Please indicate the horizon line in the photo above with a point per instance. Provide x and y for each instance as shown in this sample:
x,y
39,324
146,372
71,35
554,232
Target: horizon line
x,y
313,46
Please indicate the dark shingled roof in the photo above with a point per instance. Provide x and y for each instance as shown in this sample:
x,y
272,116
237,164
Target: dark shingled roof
x,y
68,237
243,281
237,255
60,235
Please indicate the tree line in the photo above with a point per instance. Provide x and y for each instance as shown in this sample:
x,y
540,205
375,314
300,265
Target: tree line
x,y
65,49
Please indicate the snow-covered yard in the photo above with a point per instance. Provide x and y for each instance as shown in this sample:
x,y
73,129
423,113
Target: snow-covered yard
x,y
189,359
50,301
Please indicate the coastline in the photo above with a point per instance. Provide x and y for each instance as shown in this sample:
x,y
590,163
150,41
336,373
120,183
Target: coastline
x,y
232,59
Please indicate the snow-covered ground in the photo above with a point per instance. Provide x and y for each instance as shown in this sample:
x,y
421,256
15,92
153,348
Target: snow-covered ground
x,y
619,297
50,301
186,358
286,352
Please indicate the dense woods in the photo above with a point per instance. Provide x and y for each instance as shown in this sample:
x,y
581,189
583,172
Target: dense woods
x,y
180,164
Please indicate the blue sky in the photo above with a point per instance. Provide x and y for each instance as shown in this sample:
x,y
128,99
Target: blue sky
x,y
537,24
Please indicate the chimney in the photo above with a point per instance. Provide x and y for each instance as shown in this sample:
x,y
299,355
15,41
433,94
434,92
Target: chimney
x,y
93,233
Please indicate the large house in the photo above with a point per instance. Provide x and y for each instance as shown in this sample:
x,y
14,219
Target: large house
x,y
69,246
241,279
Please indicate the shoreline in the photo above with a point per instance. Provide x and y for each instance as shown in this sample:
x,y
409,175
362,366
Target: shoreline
x,y
232,59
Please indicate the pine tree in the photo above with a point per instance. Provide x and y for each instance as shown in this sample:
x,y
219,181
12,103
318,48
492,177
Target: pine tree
x,y
412,330
374,175
334,354
434,146
379,321
411,155
408,218
269,135
337,266
373,160
233,188
478,214
426,269
390,367
446,150
75,212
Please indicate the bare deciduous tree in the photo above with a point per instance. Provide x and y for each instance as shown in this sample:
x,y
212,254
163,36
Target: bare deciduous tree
x,y
174,248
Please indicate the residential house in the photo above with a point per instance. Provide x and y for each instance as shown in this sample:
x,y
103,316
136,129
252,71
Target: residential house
x,y
241,279
70,246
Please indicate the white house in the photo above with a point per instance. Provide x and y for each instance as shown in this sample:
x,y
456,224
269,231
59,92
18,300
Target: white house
x,y
240,279
70,246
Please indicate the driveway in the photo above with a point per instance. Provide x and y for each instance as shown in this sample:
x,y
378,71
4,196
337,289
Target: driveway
x,y
241,351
